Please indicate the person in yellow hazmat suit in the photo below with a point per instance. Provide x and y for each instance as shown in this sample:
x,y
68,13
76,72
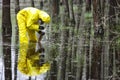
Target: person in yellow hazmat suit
x,y
28,24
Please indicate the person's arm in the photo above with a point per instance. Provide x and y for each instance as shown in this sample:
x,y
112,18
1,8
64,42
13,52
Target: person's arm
x,y
34,27
41,35
32,23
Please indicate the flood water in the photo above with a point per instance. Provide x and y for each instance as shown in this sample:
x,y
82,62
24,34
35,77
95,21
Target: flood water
x,y
29,55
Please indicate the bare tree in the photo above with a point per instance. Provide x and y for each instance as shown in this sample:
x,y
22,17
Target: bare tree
x,y
114,16
98,13
54,37
6,36
70,40
80,55
32,3
17,8
41,4
88,38
64,41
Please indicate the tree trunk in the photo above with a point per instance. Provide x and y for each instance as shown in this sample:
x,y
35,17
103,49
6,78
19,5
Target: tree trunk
x,y
32,3
64,42
88,36
71,13
54,38
98,38
80,42
6,36
63,55
88,5
41,4
105,54
114,38
17,8
70,40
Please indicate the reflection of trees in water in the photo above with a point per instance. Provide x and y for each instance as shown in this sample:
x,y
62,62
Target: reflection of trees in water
x,y
31,60
83,50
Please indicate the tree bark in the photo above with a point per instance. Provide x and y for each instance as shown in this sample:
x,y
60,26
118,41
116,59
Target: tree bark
x,y
64,42
88,37
98,38
80,42
17,8
54,38
32,3
70,42
6,36
113,37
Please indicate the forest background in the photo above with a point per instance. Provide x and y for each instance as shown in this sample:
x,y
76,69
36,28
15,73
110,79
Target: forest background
x,y
82,40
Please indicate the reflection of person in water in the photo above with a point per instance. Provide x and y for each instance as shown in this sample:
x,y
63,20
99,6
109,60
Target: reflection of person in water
x,y
32,62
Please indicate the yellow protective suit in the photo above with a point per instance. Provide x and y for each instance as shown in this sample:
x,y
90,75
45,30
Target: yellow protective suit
x,y
29,62
28,23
